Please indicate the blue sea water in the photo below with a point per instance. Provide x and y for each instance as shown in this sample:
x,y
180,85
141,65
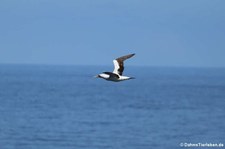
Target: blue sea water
x,y
64,107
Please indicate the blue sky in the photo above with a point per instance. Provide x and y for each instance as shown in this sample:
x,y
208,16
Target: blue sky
x,y
93,32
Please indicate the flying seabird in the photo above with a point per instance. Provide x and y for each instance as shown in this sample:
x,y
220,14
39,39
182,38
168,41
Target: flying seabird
x,y
117,74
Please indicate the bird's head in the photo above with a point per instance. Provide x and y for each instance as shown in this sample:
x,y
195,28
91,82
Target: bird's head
x,y
102,75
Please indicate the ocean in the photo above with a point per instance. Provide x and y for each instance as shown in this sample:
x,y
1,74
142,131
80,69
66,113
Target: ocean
x,y
64,107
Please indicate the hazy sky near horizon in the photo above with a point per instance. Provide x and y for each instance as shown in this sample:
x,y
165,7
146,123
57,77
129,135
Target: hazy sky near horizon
x,y
93,32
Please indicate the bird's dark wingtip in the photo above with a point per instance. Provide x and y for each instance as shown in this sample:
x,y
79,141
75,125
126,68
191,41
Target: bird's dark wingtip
x,y
132,54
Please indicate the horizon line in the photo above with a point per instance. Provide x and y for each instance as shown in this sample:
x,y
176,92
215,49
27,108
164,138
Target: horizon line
x,y
127,65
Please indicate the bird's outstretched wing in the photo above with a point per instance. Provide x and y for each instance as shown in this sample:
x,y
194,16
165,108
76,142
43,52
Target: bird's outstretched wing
x,y
118,64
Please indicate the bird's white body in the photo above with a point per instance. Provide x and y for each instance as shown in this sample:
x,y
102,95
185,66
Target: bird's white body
x,y
116,75
115,79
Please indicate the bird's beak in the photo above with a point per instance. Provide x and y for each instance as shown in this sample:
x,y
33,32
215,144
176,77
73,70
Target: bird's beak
x,y
97,76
